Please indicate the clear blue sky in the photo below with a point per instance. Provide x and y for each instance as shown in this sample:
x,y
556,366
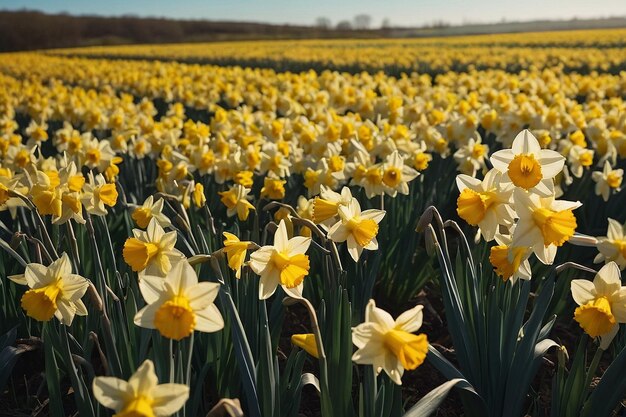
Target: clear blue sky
x,y
399,12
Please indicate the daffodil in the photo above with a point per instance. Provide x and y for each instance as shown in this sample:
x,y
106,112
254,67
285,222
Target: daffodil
x,y
54,291
326,206
141,395
273,188
151,251
178,304
236,202
486,203
97,194
150,210
607,181
612,247
235,251
528,166
284,263
510,262
389,344
307,342
544,223
602,304
358,229
397,175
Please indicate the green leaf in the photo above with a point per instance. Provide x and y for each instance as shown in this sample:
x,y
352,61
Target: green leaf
x,y
431,401
610,390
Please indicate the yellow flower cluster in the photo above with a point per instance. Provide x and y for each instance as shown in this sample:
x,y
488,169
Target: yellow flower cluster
x,y
595,49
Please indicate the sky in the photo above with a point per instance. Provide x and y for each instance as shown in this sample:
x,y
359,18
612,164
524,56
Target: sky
x,y
398,12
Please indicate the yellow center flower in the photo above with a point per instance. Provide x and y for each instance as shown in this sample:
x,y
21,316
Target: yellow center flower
x,y
336,163
473,205
363,230
41,303
47,202
499,258
22,158
108,194
556,226
421,160
142,216
374,176
410,349
244,178
292,269
76,183
613,180
478,151
595,317
392,177
525,171
175,319
93,156
138,254
324,209
586,158
140,406
306,342
73,202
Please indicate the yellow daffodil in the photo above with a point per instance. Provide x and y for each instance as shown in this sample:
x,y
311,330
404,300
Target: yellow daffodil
x,y
510,262
608,181
612,247
236,201
602,304
486,203
54,291
97,194
151,251
389,344
527,165
178,304
150,210
141,395
358,229
307,342
235,252
273,188
544,223
284,263
396,175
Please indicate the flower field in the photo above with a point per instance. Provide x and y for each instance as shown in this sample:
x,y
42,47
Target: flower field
x,y
335,228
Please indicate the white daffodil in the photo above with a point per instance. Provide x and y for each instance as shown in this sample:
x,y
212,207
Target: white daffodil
x,y
141,395
607,181
152,251
527,165
326,206
54,291
471,157
178,304
612,247
397,175
390,344
602,304
486,203
150,210
358,229
544,223
284,263
97,194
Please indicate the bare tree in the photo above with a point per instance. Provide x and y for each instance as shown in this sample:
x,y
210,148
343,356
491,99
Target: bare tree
x,y
344,25
323,23
362,21
386,23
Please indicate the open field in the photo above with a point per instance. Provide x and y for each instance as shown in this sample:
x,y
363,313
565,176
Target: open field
x,y
321,228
